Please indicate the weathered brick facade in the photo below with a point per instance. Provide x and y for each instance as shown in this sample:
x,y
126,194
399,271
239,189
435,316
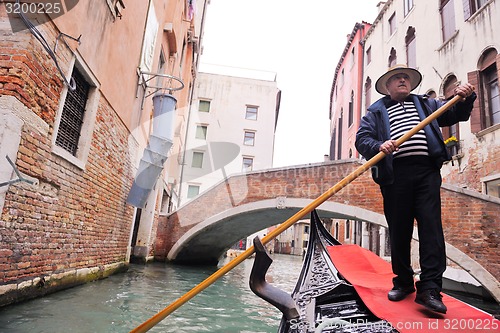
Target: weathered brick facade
x,y
73,226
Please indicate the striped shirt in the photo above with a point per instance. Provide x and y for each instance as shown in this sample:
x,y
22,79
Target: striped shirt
x,y
402,118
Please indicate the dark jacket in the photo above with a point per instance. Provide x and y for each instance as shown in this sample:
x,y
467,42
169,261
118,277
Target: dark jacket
x,y
374,130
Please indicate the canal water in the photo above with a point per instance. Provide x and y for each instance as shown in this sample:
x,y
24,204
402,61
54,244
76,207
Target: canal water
x,y
123,301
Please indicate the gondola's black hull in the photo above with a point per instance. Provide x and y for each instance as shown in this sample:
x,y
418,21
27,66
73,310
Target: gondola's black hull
x,y
324,301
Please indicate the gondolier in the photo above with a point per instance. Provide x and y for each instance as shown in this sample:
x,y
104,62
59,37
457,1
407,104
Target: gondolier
x,y
409,177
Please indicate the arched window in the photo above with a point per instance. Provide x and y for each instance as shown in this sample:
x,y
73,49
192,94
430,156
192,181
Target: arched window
x,y
486,111
431,94
411,48
332,144
392,58
368,92
351,110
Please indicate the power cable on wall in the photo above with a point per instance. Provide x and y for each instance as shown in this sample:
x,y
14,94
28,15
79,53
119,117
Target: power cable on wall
x,y
35,32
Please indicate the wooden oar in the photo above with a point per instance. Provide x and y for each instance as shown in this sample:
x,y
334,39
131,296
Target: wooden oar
x,y
147,325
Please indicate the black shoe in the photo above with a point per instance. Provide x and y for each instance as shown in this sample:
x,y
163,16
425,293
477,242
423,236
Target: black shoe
x,y
398,294
431,299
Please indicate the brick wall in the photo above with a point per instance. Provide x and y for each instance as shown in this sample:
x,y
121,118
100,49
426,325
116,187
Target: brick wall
x,y
483,161
75,225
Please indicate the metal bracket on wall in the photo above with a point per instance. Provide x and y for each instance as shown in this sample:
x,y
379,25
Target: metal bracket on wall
x,y
20,176
163,82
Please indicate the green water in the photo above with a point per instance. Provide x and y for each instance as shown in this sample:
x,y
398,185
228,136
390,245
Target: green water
x,y
122,302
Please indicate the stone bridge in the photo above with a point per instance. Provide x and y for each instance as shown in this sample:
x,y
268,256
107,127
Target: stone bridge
x,y
203,229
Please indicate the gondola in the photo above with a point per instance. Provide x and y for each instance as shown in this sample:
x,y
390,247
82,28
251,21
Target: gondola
x,y
322,297
343,288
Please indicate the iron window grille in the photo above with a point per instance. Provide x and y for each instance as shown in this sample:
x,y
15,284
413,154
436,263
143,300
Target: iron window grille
x,y
73,113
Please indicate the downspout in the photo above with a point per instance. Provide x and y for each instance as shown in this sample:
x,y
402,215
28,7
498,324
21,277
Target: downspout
x,y
202,26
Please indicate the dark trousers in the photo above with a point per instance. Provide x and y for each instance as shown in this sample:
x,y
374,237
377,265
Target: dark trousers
x,y
415,195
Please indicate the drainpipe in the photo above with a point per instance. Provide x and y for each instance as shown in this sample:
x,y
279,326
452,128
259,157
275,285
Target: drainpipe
x,y
155,154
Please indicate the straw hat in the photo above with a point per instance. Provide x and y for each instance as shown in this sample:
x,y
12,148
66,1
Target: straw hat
x,y
415,77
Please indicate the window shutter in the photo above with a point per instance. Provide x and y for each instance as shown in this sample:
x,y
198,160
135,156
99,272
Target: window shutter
x,y
446,132
467,9
498,65
477,116
68,134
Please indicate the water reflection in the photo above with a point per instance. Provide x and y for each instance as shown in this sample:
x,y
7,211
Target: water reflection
x,y
122,302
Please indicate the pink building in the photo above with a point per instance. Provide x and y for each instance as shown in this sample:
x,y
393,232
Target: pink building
x,y
345,97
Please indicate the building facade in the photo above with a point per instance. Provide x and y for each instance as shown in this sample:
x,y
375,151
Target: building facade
x,y
346,96
231,130
449,42
77,87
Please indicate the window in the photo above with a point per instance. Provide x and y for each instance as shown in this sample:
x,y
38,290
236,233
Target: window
x,y
116,7
332,144
249,139
339,135
251,113
73,127
491,185
368,92
408,5
486,112
197,160
449,86
492,115
411,48
431,94
351,110
393,58
392,24
70,126
341,79
201,132
369,55
447,19
353,59
472,6
193,190
204,106
247,164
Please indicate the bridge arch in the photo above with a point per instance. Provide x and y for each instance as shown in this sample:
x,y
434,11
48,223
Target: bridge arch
x,y
261,214
270,213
